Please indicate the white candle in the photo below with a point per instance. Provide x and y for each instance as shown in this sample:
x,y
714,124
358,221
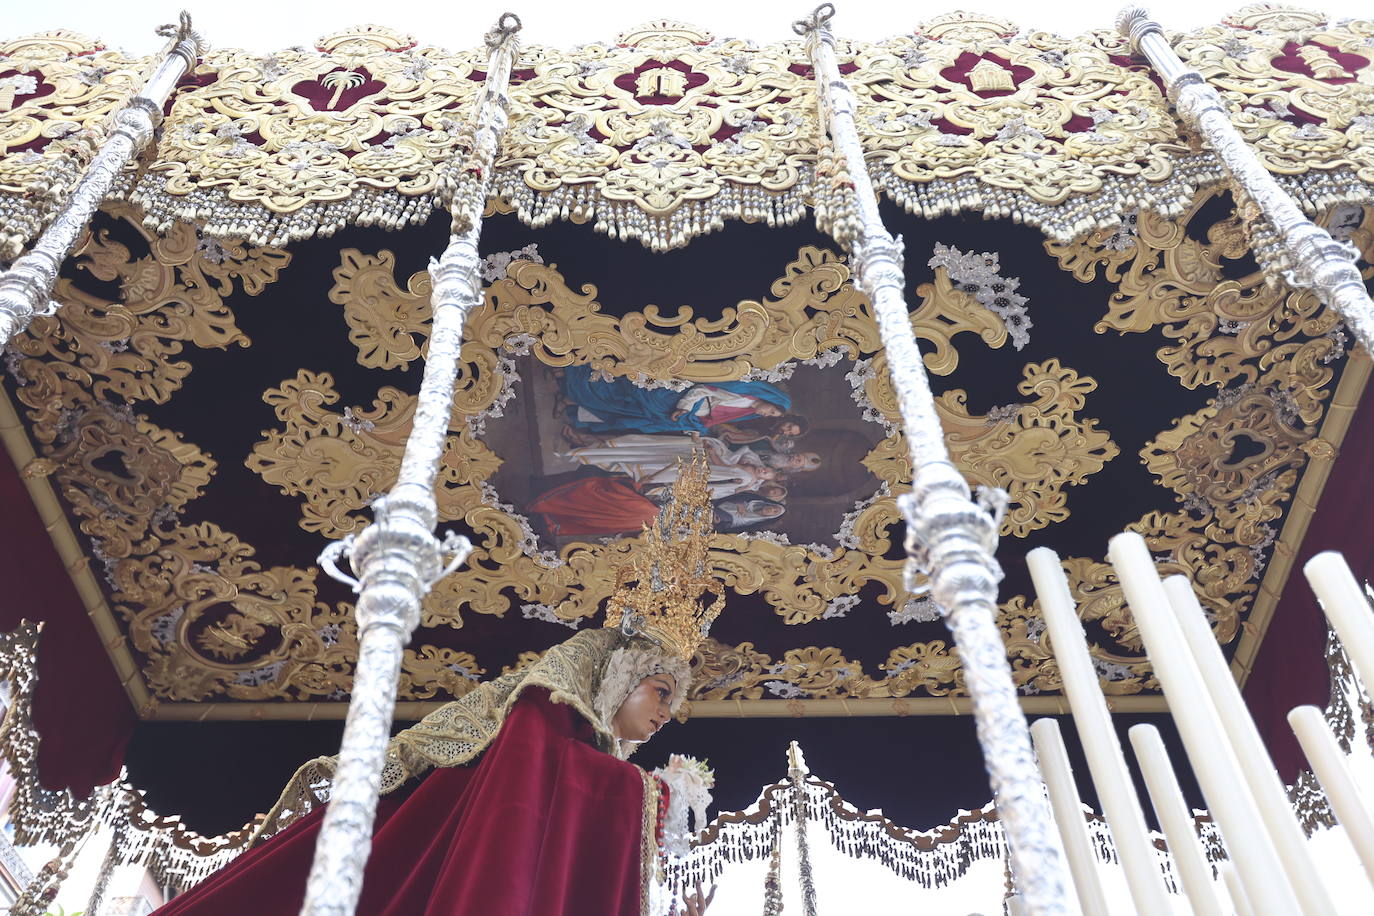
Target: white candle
x,y
1106,763
1255,763
1239,901
1347,608
1176,820
1328,764
1214,763
1068,816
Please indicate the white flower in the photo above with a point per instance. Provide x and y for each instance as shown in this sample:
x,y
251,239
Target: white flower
x,y
356,423
918,610
164,628
259,676
20,83
689,783
545,612
978,275
497,264
838,607
784,689
1111,671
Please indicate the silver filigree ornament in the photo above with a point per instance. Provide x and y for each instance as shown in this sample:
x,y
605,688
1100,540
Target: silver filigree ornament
x,y
397,558
1289,245
26,287
951,538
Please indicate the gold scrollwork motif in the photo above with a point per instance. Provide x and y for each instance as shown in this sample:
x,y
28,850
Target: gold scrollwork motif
x,y
122,476
80,372
338,460
172,296
358,130
223,626
209,622
665,133
57,90
724,671
214,622
661,135
813,308
964,97
1297,85
1033,450
55,83
432,672
1042,448
1226,324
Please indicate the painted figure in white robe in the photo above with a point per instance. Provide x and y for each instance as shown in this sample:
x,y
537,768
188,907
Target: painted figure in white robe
x,y
742,511
653,461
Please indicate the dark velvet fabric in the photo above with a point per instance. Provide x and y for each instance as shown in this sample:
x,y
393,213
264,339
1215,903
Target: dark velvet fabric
x,y
544,824
1290,669
80,709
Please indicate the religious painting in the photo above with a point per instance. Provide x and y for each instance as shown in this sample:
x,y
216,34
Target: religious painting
x,y
588,455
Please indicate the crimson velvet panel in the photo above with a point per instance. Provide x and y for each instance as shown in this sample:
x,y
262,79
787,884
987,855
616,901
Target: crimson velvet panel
x,y
544,824
80,709
1290,669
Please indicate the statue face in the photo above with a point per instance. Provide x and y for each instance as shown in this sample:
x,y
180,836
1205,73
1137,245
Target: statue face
x,y
647,709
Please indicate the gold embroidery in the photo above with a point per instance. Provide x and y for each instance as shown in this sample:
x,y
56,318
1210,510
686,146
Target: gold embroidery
x,y
337,464
665,133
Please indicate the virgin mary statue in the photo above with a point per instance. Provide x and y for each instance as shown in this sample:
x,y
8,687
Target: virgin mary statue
x,y
517,798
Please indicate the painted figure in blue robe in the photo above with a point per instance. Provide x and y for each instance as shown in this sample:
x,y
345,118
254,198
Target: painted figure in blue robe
x,y
601,406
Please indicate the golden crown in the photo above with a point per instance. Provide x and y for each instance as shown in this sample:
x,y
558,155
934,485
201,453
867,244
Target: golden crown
x,y
659,595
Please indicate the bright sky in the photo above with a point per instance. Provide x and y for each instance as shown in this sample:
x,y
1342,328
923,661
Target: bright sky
x,y
264,25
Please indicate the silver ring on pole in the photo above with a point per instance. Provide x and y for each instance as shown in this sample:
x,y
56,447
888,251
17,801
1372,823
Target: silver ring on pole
x,y
818,18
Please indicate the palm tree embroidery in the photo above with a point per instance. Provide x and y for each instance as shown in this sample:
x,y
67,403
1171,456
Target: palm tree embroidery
x,y
341,81
16,85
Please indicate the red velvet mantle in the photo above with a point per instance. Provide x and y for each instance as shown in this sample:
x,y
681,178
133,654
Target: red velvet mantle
x,y
543,825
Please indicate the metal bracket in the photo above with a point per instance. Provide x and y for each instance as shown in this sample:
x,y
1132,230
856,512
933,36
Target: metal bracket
x,y
457,547
328,560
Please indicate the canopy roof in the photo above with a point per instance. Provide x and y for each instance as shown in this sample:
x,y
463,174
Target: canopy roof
x,y
232,375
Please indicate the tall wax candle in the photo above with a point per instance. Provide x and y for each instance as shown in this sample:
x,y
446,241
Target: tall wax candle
x,y
1106,763
1213,761
1328,764
1176,820
1345,605
1068,816
1258,768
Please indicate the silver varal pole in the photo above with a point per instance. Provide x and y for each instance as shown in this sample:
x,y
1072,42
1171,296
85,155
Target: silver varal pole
x,y
951,539
26,288
397,558
1316,261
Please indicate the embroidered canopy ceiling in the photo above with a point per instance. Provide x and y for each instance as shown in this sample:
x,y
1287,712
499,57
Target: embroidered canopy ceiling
x,y
667,132
232,375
